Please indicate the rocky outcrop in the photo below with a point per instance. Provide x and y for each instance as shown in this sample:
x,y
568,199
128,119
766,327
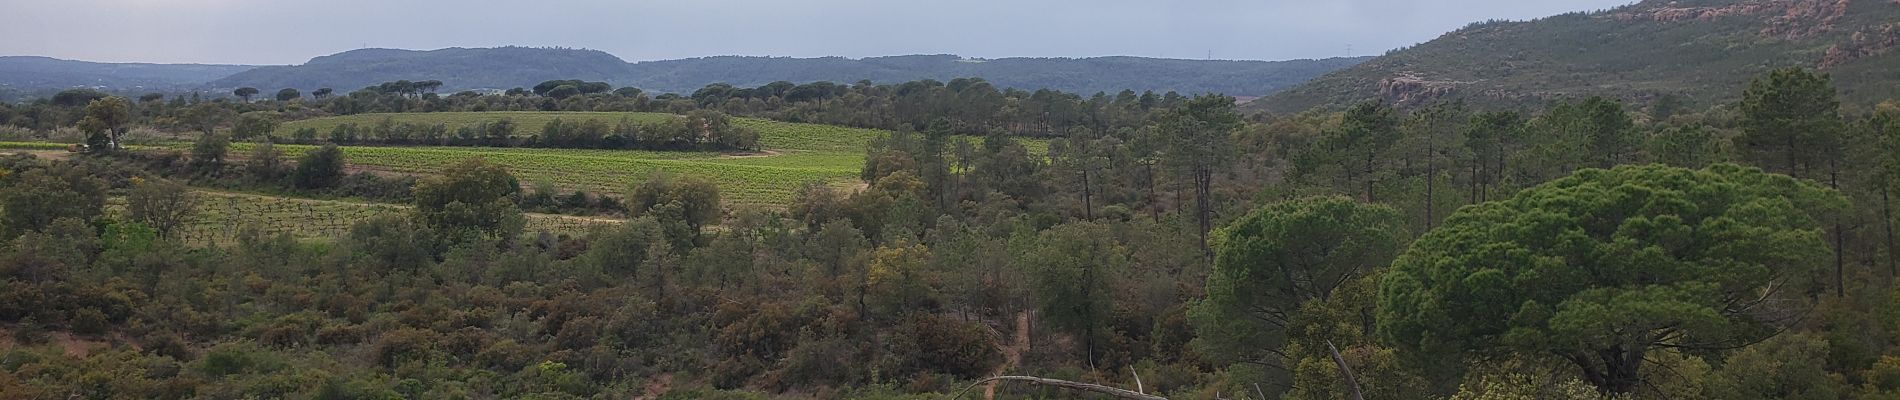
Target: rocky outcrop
x,y
1786,19
1805,19
1866,43
1409,87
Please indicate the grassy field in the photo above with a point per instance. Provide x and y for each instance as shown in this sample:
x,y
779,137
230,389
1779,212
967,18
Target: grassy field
x,y
795,154
220,214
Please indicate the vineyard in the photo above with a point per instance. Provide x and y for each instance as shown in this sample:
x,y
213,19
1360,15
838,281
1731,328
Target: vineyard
x,y
761,181
222,215
796,154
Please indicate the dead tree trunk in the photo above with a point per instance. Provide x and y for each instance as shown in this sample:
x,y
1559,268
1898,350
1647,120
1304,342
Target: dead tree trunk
x,y
1352,382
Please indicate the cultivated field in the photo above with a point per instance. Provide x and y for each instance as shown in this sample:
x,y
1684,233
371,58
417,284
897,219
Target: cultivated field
x,y
222,214
794,154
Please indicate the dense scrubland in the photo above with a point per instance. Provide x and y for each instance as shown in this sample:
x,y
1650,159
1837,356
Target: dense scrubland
x,y
1159,243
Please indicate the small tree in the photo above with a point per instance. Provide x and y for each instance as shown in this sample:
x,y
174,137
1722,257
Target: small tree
x,y
690,201
163,205
254,124
322,93
1276,259
288,94
265,163
321,168
209,151
106,122
245,93
468,200
206,117
1074,270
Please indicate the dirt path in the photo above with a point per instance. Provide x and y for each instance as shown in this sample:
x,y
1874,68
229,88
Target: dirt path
x,y
753,154
1012,353
45,154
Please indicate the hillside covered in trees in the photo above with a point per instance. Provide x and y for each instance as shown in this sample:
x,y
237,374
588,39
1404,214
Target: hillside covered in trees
x,y
24,73
1682,51
510,67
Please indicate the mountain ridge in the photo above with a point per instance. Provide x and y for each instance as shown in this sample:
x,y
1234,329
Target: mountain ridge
x,y
1081,75
37,72
1703,51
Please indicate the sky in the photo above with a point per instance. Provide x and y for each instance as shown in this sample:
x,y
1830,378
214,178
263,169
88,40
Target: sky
x,y
293,31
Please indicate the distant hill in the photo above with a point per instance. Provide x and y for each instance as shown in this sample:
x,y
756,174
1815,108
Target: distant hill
x,y
509,67
25,73
457,68
1703,51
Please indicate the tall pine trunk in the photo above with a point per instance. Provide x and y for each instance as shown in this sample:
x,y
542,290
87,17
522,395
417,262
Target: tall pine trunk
x,y
1886,213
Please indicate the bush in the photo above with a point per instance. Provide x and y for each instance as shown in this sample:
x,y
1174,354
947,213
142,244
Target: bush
x,y
403,345
321,168
89,321
940,344
232,358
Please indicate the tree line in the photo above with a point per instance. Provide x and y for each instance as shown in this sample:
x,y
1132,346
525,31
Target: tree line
x,y
970,106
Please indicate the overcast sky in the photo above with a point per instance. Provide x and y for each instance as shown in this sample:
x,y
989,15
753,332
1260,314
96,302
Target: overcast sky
x,y
292,31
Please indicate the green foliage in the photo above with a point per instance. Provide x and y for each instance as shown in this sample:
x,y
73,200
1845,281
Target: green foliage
x,y
690,201
320,169
1525,387
1688,147
1356,150
1604,265
1791,121
942,344
34,200
471,199
1074,271
254,124
245,93
106,121
628,250
77,97
394,241
164,205
209,150
1274,260
265,161
1789,366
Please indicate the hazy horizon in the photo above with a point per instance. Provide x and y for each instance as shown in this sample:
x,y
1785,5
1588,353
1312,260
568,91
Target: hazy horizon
x,y
228,31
